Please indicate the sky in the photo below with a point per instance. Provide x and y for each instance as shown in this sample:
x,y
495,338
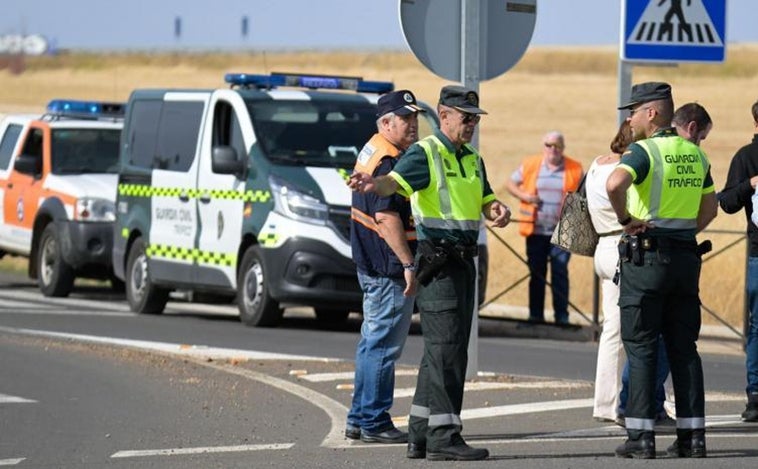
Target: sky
x,y
296,24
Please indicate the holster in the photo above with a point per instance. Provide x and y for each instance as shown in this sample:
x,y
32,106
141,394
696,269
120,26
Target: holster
x,y
631,249
430,263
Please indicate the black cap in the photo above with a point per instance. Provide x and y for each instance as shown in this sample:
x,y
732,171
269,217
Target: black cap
x,y
462,99
646,92
401,102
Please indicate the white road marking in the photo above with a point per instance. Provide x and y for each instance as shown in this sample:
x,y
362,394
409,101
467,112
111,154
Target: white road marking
x,y
337,412
486,386
612,432
10,462
33,298
47,311
197,351
200,450
347,376
8,399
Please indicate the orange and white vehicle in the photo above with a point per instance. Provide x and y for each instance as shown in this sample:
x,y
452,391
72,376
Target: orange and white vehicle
x,y
58,178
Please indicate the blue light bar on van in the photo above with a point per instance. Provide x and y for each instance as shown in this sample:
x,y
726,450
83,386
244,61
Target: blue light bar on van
x,y
308,81
91,109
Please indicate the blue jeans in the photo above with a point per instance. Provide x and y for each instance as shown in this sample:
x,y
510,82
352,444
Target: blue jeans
x,y
538,252
660,378
751,348
386,320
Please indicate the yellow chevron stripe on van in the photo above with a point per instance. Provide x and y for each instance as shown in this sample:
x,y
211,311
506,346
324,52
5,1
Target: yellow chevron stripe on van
x,y
141,190
190,254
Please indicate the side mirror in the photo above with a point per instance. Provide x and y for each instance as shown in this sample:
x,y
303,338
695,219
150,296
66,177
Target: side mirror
x,y
224,161
28,164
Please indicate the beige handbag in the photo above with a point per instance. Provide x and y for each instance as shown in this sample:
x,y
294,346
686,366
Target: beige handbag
x,y
575,232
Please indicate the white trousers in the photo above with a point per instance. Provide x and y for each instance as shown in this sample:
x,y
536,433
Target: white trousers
x,y
610,352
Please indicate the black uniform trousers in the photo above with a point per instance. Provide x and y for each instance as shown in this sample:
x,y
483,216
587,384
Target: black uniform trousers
x,y
446,305
660,296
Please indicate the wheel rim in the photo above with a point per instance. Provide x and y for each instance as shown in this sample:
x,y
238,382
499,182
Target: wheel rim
x,y
48,259
253,290
138,277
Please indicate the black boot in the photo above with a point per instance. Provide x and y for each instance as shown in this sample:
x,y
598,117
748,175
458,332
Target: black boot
x,y
639,448
751,410
688,444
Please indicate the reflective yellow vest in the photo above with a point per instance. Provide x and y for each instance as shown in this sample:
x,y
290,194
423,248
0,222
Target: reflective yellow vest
x,y
451,201
671,192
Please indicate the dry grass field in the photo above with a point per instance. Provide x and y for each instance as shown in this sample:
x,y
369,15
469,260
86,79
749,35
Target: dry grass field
x,y
571,90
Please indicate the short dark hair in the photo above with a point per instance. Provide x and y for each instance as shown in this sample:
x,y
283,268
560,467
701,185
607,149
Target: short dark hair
x,y
693,112
754,109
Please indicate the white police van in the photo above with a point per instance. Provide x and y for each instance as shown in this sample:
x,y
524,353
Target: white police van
x,y
57,191
243,191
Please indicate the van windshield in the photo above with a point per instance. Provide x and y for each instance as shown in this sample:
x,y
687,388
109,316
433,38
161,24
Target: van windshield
x,y
326,133
78,151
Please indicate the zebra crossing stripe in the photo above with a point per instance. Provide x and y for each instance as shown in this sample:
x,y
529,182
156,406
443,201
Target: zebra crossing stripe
x,y
8,399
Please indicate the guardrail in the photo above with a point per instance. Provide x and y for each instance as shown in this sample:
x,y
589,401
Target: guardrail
x,y
593,318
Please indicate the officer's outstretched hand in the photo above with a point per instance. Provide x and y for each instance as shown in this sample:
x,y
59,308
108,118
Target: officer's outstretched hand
x,y
361,182
499,214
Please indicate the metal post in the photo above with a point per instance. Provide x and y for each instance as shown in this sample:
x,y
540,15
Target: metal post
x,y
470,33
625,86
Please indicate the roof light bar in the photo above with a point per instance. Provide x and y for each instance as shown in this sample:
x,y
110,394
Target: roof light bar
x,y
313,82
85,109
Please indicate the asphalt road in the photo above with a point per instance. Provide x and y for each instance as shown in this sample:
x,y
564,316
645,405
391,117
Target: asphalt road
x,y
86,383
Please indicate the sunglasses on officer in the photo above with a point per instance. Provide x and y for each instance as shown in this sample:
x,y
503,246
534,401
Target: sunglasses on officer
x,y
467,117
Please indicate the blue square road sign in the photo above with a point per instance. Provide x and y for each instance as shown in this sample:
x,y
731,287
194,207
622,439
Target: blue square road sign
x,y
673,30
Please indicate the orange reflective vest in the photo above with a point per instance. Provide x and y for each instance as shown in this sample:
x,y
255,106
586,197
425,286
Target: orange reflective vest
x,y
572,175
373,152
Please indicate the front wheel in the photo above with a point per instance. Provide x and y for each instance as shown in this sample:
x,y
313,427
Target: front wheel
x,y
143,296
54,276
256,306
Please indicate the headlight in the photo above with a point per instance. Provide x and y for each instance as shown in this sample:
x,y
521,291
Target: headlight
x,y
91,209
294,204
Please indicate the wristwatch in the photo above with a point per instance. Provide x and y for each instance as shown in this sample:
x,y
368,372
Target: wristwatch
x,y
625,221
410,266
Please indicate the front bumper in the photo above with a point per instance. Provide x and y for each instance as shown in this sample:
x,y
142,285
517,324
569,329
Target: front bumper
x,y
87,247
312,273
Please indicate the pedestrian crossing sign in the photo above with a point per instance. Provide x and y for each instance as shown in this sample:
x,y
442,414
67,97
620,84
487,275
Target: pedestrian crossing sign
x,y
673,30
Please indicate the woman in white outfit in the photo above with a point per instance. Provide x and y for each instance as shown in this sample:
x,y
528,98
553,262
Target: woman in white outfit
x,y
610,353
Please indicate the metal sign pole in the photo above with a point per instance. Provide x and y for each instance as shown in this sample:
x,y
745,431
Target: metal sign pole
x,y
470,28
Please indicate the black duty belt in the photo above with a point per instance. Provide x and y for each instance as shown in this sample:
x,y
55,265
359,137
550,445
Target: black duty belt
x,y
653,243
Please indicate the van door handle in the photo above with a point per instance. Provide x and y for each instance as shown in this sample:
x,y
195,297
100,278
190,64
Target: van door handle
x,y
184,197
205,198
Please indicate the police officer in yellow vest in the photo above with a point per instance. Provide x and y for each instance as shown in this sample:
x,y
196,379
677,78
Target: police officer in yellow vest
x,y
447,182
663,194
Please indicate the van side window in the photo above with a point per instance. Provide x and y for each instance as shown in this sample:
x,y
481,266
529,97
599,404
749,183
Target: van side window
x,y
8,144
178,134
33,144
227,130
143,132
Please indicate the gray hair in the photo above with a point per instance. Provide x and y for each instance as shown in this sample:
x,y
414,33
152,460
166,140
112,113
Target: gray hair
x,y
390,115
556,135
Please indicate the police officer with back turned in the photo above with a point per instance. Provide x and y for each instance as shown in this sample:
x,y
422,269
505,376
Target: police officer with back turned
x,y
447,182
663,194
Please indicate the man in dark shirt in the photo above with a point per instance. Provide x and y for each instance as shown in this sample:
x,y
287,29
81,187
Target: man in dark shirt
x,y
740,186
383,245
